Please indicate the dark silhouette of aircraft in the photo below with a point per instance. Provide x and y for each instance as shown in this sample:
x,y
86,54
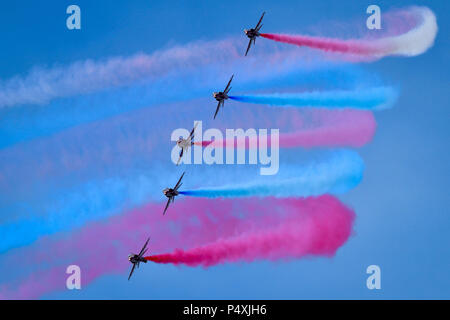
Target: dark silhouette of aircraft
x,y
136,259
253,33
171,193
221,96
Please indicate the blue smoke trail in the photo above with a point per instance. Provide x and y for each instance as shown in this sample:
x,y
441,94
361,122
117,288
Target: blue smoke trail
x,y
63,210
340,173
27,122
365,99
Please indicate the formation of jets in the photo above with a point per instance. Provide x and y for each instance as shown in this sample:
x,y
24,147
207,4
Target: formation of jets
x,y
185,144
252,34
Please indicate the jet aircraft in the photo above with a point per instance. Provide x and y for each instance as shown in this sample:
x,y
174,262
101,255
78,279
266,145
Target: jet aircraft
x,y
136,259
184,144
171,193
253,33
221,96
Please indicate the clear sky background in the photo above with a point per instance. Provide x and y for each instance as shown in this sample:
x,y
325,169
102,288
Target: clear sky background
x,y
403,222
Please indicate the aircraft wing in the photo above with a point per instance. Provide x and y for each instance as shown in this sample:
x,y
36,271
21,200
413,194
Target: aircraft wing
x,y
191,136
248,48
167,205
144,248
179,180
181,156
260,19
217,109
132,270
142,254
228,84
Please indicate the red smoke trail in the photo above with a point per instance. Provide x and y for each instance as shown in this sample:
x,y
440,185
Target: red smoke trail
x,y
326,44
310,227
203,143
356,130
412,42
352,128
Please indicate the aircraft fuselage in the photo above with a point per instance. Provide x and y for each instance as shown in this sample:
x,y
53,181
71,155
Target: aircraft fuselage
x,y
252,33
136,259
219,96
184,143
170,193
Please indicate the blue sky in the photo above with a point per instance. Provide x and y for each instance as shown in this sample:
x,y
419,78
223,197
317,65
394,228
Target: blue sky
x,y
402,223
